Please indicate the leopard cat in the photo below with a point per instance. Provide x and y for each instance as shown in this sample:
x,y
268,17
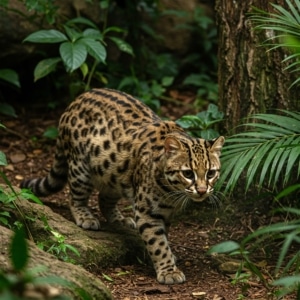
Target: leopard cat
x,y
112,142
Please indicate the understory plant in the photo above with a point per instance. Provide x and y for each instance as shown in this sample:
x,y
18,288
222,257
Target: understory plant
x,y
202,124
75,44
282,29
266,156
10,77
16,283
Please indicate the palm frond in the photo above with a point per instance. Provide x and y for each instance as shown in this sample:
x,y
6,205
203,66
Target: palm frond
x,y
268,152
284,27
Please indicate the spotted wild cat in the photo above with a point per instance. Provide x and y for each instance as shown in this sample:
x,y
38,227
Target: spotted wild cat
x,y
112,142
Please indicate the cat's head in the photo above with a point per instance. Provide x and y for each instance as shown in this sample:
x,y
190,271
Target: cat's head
x,y
192,165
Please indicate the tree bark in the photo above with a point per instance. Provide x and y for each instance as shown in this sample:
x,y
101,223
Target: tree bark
x,y
251,79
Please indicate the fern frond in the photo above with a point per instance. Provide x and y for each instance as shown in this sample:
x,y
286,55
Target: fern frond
x,y
268,152
284,27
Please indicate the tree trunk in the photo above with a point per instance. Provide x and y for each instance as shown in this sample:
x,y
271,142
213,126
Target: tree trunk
x,y
251,79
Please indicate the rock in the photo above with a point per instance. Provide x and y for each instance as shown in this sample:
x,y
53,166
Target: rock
x,y
72,273
96,248
17,157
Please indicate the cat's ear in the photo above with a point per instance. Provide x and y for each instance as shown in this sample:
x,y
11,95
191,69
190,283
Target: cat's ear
x,y
217,144
172,145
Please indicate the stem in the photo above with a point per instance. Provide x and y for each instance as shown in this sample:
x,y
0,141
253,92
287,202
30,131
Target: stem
x,y
90,76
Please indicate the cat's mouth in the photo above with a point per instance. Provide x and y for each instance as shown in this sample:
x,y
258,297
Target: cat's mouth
x,y
197,197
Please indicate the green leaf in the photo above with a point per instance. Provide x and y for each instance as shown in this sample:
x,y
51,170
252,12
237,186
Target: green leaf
x,y
28,195
93,34
10,76
108,278
46,36
209,134
167,80
94,48
288,281
114,29
81,20
72,34
84,69
269,151
45,67
287,191
224,247
73,55
73,249
19,250
196,79
7,110
122,45
189,121
51,132
3,161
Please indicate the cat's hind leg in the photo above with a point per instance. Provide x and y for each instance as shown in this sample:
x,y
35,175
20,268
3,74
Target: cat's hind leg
x,y
109,209
80,190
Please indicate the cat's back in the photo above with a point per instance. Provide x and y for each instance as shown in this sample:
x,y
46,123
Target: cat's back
x,y
106,108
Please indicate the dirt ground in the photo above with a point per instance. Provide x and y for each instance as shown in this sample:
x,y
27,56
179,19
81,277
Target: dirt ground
x,y
29,154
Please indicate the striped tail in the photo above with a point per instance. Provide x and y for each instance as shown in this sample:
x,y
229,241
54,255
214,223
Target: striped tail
x,y
53,182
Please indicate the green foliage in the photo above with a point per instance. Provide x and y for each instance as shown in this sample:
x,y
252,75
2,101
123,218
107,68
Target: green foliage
x,y
9,197
204,75
41,9
12,78
57,244
282,28
75,45
51,132
13,284
267,153
200,125
287,234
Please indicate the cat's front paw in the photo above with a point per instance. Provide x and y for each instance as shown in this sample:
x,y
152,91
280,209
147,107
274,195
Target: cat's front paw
x,y
129,222
171,277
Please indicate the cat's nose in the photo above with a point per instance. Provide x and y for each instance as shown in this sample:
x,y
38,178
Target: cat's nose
x,y
201,190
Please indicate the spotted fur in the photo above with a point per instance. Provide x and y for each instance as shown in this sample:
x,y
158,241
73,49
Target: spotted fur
x,y
111,142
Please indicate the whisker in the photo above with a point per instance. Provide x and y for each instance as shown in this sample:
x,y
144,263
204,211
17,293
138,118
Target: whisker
x,y
215,199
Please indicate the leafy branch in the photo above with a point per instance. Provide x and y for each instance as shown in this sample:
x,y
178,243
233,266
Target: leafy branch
x,y
268,151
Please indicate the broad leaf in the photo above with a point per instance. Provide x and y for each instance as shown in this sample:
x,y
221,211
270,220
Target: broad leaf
x,y
46,36
7,110
122,45
72,33
73,55
224,247
94,48
10,76
81,20
45,67
93,34
19,250
3,161
189,122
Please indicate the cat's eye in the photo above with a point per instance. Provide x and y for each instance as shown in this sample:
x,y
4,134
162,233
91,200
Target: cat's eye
x,y
210,174
189,174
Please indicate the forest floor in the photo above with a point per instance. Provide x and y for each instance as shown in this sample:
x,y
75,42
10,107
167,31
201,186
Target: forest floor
x,y
200,227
